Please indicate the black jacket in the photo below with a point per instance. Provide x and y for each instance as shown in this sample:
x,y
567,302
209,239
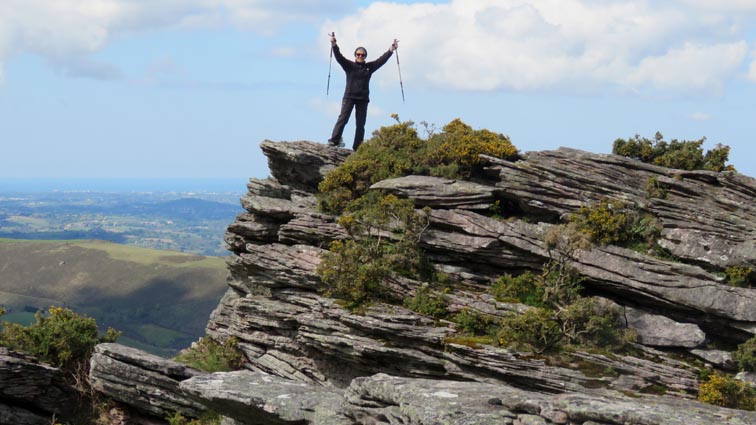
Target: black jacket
x,y
358,74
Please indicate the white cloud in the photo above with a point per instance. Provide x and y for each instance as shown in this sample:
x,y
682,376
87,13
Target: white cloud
x,y
566,45
699,116
66,31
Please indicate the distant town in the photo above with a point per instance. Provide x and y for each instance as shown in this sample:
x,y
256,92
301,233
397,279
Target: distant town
x,y
191,221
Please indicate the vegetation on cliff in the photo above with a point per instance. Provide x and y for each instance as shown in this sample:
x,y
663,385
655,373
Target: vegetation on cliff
x,y
683,155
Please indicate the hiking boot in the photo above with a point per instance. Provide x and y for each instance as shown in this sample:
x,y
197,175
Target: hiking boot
x,y
336,143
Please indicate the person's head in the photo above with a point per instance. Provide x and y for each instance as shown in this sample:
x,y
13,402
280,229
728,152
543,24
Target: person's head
x,y
360,54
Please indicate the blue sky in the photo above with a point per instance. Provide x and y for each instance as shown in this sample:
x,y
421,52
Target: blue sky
x,y
189,88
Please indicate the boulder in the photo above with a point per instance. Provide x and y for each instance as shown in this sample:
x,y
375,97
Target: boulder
x,y
32,392
302,165
143,381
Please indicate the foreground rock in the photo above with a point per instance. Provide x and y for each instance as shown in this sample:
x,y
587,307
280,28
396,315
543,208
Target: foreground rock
x,y
148,383
256,399
32,393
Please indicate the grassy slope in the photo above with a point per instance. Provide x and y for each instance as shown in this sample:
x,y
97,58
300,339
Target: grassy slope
x,y
161,300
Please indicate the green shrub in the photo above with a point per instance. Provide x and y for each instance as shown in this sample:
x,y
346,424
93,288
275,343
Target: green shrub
x,y
583,323
655,189
61,337
724,391
524,288
397,150
428,302
384,233
684,155
739,275
207,418
745,355
536,330
474,323
614,222
212,356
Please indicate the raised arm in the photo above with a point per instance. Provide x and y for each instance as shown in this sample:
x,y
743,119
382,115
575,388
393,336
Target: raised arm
x,y
374,65
344,62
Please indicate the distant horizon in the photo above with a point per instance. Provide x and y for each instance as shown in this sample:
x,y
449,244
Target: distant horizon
x,y
123,184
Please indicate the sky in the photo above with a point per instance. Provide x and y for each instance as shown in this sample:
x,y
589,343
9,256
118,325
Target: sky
x,y
174,89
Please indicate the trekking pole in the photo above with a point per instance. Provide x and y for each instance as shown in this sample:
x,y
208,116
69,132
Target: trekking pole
x,y
401,84
330,61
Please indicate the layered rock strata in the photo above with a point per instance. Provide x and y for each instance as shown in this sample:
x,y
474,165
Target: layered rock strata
x,y
274,306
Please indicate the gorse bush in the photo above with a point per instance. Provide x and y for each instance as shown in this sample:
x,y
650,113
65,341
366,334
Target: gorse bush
x,y
61,337
739,275
518,289
397,150
561,316
745,355
614,222
384,233
684,155
724,391
428,302
213,356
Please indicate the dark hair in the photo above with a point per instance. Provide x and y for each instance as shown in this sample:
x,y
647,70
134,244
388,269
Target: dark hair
x,y
360,48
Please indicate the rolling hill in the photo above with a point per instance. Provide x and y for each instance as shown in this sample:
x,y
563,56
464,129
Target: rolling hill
x,y
160,300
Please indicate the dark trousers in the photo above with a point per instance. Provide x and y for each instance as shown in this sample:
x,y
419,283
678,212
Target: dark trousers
x,y
347,105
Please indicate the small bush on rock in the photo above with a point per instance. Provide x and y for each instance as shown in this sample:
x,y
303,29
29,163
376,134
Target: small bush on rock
x,y
684,155
724,391
428,302
614,222
212,356
384,240
739,275
61,337
397,150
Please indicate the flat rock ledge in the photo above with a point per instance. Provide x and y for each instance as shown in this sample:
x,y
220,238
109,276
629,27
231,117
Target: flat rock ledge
x,y
254,398
148,383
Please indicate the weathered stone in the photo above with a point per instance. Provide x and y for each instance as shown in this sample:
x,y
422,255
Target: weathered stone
x,y
141,380
275,265
312,229
440,193
302,165
251,398
29,389
14,415
432,401
719,358
707,216
661,331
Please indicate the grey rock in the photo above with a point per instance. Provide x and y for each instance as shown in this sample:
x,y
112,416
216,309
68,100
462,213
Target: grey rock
x,y
29,388
251,398
719,358
749,377
661,331
311,229
14,415
440,193
275,265
707,216
428,401
302,165
141,380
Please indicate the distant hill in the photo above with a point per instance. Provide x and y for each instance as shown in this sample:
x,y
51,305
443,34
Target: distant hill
x,y
161,300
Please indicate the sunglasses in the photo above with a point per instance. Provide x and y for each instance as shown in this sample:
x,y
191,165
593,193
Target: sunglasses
x,y
360,55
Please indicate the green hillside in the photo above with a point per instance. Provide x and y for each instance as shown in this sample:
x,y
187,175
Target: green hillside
x,y
161,300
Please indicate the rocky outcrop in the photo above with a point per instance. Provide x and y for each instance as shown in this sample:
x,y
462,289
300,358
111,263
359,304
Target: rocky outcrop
x,y
287,328
32,393
311,361
143,381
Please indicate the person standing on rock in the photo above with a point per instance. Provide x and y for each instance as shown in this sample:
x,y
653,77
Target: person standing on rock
x,y
357,91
